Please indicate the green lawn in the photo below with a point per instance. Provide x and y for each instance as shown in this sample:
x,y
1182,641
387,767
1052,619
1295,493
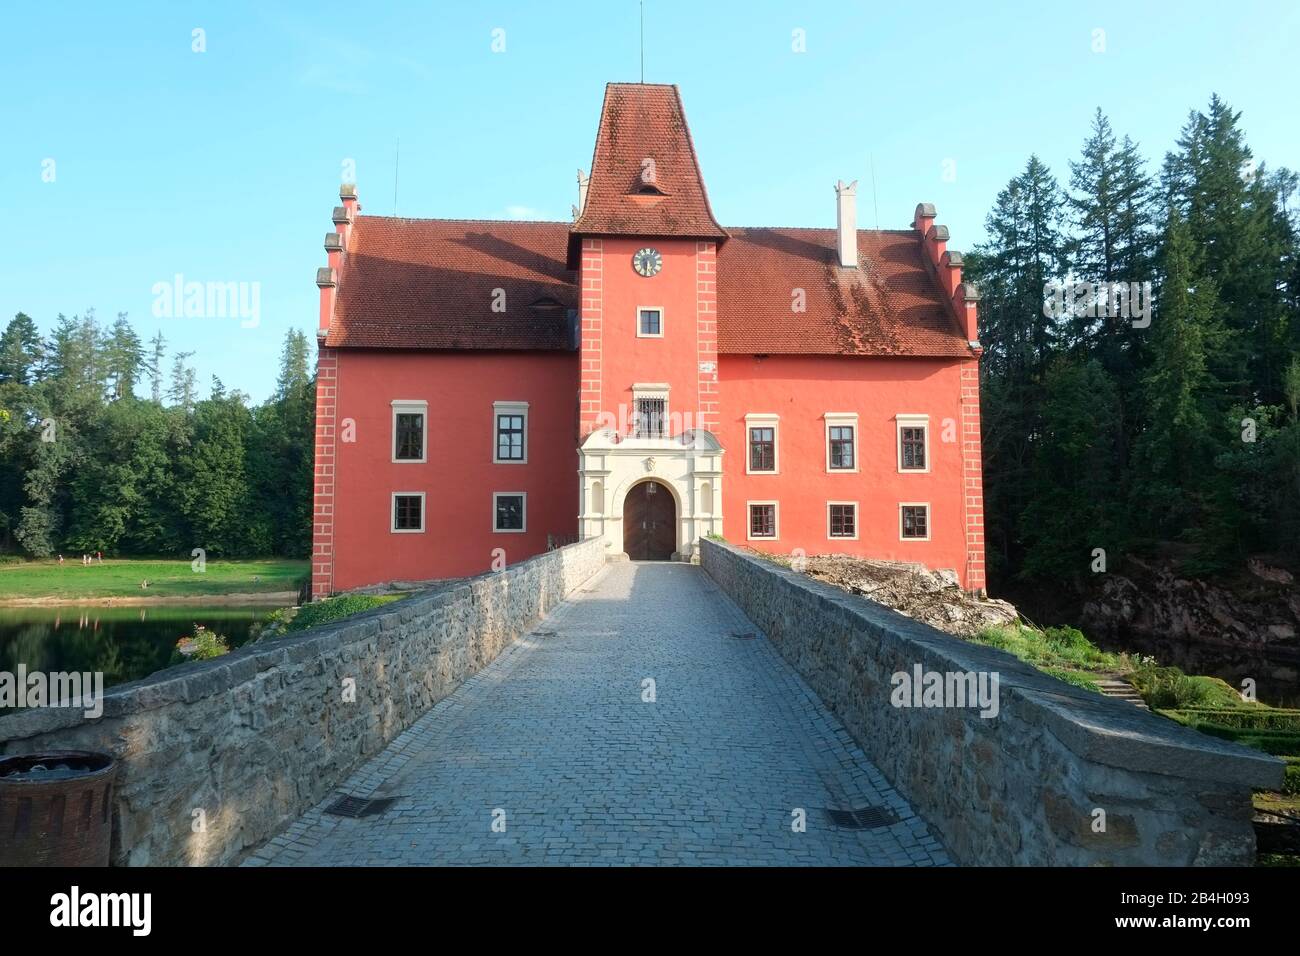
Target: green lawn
x,y
122,577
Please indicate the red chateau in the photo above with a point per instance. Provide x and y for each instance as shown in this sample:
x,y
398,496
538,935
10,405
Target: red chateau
x,y
642,375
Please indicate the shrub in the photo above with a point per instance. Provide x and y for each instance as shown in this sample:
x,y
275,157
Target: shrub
x,y
1068,638
1291,779
1168,687
202,645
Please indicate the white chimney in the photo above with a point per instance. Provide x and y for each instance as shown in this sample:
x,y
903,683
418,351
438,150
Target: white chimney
x,y
846,223
583,182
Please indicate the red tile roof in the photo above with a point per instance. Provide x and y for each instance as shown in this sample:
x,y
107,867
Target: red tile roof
x,y
891,305
640,122
430,284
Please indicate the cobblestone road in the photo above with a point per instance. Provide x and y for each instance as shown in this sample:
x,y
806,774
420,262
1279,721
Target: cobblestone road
x,y
559,742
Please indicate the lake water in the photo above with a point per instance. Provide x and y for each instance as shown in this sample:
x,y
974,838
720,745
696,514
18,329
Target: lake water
x,y
125,643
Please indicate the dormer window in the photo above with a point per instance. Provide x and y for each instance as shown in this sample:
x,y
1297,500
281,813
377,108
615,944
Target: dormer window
x,y
546,306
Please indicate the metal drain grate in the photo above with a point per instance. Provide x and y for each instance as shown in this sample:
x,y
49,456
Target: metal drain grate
x,y
744,635
358,807
866,818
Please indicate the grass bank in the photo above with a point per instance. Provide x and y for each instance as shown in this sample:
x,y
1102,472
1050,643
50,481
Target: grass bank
x,y
1063,652
49,582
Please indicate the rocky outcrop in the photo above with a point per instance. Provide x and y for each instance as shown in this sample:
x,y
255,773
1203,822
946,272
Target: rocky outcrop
x,y
1261,613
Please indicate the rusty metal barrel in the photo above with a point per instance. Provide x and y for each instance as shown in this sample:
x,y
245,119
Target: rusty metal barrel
x,y
56,808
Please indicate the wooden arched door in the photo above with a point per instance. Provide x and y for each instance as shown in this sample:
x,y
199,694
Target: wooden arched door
x,y
649,522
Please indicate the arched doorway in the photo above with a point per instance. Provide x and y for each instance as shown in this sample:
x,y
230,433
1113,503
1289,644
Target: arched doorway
x,y
688,467
649,522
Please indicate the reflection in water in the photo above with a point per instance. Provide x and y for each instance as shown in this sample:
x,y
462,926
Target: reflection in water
x,y
124,643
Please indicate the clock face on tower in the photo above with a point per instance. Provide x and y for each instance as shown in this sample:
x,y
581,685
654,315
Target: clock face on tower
x,y
647,262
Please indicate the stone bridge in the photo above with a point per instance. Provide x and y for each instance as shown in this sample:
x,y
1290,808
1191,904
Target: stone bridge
x,y
643,722
569,711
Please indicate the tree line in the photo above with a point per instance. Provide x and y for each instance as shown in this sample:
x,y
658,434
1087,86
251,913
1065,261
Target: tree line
x,y
1175,434
87,464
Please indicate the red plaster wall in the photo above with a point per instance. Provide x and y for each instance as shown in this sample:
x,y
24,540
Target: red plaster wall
x,y
801,389
614,358
459,476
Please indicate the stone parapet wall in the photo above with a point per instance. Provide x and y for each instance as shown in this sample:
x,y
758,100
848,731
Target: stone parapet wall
x,y
217,756
1031,785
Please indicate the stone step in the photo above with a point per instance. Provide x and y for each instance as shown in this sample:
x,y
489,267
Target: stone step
x,y
1121,690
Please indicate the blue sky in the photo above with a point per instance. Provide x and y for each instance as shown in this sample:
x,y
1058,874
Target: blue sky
x,y
223,166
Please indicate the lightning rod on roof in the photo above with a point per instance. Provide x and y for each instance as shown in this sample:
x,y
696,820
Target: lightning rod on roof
x,y
397,161
642,41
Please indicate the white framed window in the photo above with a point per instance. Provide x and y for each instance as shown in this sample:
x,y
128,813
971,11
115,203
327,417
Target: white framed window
x,y
410,431
510,433
406,516
914,521
509,512
649,322
841,442
842,520
650,410
913,443
762,444
763,520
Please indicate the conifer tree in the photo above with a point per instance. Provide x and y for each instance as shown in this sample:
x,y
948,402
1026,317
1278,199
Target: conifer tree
x,y
154,364
1175,454
123,359
20,351
183,390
